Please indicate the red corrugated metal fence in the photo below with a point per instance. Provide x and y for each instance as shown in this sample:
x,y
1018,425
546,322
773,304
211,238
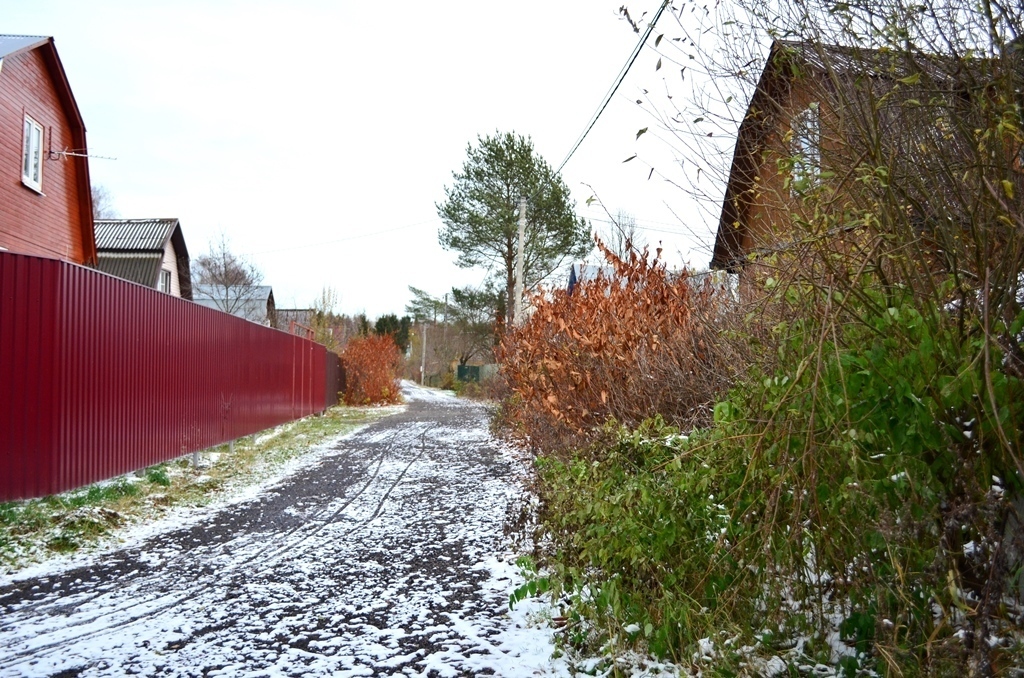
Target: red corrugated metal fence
x,y
99,376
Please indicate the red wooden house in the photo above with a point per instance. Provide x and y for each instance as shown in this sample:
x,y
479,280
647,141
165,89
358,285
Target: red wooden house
x,y
45,200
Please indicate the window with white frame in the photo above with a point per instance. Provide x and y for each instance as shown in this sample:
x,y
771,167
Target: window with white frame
x,y
165,281
32,155
806,148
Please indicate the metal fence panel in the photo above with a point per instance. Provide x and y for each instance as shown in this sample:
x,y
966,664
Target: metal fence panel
x,y
335,379
99,376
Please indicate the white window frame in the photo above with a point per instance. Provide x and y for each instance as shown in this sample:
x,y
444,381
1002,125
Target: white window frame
x,y
806,146
164,283
32,155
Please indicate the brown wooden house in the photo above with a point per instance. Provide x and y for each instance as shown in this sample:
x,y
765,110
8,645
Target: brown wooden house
x,y
45,195
827,117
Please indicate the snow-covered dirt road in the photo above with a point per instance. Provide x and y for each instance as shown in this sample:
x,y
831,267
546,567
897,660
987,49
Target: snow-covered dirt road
x,y
384,557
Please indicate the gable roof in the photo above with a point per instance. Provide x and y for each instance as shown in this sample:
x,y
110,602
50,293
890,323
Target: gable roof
x,y
261,293
744,168
134,234
11,45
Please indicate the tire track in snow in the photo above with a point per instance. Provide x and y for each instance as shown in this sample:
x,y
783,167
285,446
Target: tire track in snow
x,y
65,608
401,580
380,503
35,652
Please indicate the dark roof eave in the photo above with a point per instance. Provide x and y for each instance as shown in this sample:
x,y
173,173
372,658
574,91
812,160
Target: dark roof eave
x,y
184,266
731,229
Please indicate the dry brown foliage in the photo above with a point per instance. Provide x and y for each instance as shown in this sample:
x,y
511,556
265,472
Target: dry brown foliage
x,y
625,346
372,367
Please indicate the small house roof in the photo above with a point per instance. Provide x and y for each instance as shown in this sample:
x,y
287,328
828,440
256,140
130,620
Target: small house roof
x,y
249,302
134,234
580,272
256,292
138,267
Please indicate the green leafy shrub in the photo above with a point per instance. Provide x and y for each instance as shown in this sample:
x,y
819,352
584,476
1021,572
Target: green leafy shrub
x,y
866,479
642,539
158,476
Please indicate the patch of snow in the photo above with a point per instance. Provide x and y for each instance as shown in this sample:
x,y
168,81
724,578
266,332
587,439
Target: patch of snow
x,y
272,433
415,393
775,667
705,648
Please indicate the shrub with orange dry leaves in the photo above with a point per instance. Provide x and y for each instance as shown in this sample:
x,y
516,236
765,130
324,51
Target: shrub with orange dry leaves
x,y
372,367
628,345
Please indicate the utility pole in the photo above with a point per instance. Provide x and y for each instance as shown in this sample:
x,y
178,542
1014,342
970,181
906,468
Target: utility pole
x,y
517,312
444,331
423,362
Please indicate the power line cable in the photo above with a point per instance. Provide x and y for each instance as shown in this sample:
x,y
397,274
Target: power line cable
x,y
337,240
641,226
615,86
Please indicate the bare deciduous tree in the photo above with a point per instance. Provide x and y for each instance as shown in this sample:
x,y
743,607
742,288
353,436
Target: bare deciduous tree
x,y
230,281
328,327
625,235
103,203
622,235
464,319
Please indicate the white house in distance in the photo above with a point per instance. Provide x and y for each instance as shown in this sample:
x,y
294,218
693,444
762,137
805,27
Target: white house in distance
x,y
149,252
252,302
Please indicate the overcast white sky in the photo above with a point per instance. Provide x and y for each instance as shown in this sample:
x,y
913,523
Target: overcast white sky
x,y
319,135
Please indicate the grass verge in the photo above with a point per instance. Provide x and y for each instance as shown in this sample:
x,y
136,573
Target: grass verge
x,y
35,529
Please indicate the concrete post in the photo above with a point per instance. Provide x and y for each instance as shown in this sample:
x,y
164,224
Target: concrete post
x,y
517,313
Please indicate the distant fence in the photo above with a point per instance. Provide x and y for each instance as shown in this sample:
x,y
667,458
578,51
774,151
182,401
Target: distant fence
x,y
99,376
476,373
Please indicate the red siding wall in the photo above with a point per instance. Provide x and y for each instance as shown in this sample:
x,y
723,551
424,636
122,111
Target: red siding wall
x,y
99,376
48,224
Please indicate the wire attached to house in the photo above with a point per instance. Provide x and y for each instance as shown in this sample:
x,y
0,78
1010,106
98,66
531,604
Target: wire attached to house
x,y
615,86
